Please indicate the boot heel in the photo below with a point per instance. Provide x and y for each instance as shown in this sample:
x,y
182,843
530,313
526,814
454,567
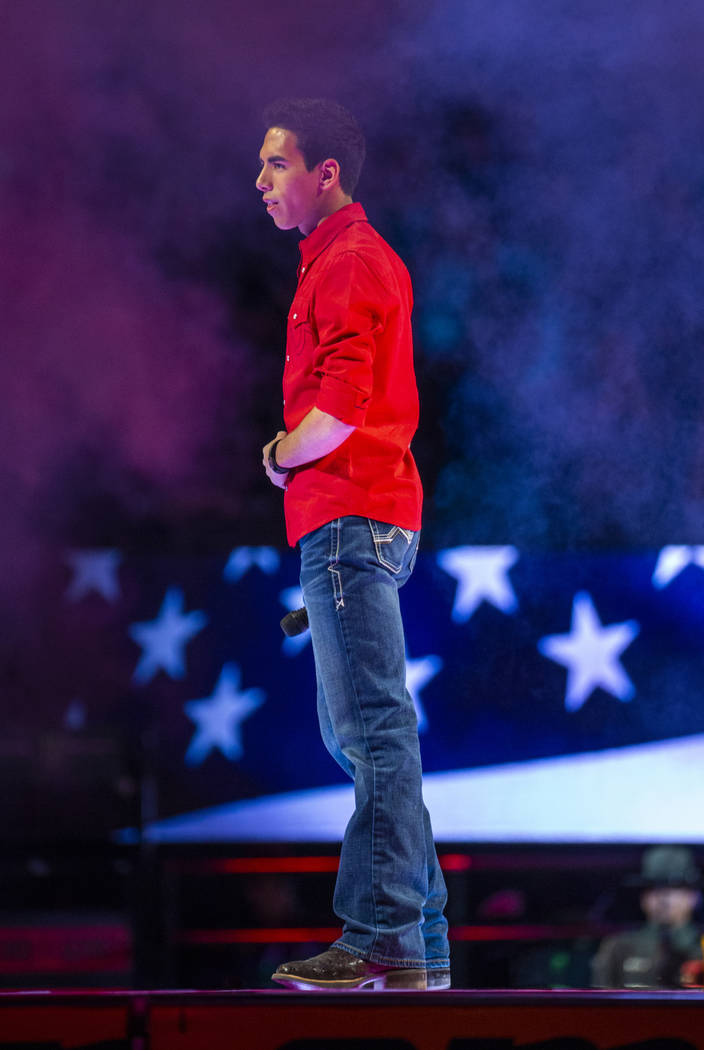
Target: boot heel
x,y
412,979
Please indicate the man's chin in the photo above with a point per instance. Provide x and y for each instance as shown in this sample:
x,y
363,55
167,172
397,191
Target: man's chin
x,y
281,222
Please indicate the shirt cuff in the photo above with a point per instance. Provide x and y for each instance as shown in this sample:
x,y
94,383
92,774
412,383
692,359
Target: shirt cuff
x,y
342,401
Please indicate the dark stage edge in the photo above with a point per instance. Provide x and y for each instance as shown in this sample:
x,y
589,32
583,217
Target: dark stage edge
x,y
283,1020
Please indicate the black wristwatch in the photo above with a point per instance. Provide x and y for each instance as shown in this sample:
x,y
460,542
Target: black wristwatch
x,y
272,459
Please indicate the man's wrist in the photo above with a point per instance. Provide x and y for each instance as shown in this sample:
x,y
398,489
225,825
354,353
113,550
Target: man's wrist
x,y
272,459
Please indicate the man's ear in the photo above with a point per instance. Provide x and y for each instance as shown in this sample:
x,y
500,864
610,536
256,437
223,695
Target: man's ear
x,y
329,173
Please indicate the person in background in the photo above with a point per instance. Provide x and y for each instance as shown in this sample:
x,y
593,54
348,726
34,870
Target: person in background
x,y
666,951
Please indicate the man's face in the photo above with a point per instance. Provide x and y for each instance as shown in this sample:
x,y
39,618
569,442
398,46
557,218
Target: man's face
x,y
291,193
670,906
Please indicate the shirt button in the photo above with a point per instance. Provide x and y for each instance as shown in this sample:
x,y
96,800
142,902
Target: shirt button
x,y
284,400
303,269
295,316
287,357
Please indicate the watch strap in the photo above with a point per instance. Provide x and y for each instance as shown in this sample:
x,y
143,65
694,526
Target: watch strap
x,y
272,459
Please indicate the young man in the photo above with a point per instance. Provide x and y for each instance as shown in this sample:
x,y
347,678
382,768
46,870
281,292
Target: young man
x,y
352,501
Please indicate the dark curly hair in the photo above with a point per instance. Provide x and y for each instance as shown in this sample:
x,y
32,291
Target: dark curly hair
x,y
323,129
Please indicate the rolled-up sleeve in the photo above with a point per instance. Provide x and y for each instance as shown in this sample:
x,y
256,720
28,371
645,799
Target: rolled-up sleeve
x,y
348,317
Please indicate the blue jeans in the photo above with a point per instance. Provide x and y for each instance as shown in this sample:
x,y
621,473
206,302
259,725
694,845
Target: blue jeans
x,y
390,892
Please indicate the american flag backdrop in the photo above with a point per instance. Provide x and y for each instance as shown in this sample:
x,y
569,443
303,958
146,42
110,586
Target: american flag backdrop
x,y
558,697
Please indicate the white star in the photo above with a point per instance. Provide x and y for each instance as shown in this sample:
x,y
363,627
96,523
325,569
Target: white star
x,y
673,560
243,558
94,570
482,575
418,674
218,717
163,639
591,654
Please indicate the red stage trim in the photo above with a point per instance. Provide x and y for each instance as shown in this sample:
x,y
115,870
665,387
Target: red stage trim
x,y
76,948
292,865
328,934
270,935
280,1020
255,865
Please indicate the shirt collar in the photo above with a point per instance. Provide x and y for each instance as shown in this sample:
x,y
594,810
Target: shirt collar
x,y
318,240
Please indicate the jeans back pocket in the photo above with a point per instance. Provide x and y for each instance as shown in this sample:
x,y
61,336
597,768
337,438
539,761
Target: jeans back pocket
x,y
391,543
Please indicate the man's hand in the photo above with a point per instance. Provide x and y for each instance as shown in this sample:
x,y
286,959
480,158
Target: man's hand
x,y
276,479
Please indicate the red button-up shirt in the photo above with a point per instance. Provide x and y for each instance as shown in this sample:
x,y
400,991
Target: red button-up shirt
x,y
349,352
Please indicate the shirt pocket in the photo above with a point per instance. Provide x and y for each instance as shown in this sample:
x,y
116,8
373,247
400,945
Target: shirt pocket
x,y
299,332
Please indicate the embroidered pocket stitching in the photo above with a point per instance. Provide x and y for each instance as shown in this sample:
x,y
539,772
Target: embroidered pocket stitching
x,y
388,537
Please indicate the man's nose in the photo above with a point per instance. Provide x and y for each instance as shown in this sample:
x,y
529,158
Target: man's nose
x,y
262,183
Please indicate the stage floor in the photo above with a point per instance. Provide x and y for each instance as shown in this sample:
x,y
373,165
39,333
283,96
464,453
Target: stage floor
x,y
283,1020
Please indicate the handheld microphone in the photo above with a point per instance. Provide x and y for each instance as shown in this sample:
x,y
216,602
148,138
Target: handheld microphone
x,y
295,622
